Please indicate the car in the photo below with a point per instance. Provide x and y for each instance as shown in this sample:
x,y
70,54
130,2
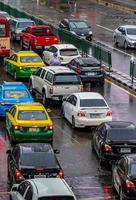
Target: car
x,y
66,52
41,189
77,26
21,64
84,109
125,36
54,82
89,69
29,122
43,162
12,93
5,14
124,177
17,25
113,139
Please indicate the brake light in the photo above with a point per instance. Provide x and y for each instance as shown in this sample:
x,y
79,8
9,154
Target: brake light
x,y
18,175
17,127
55,39
109,113
102,68
107,148
81,114
51,90
78,70
48,128
21,67
60,174
129,184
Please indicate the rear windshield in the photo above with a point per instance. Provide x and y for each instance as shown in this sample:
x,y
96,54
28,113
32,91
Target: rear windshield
x,y
92,103
133,169
89,62
68,52
32,115
24,24
57,198
42,31
15,94
122,134
66,79
30,59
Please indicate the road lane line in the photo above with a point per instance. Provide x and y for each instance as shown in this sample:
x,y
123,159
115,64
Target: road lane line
x,y
105,28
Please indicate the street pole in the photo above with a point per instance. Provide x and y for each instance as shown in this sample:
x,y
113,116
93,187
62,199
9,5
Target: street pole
x,y
132,63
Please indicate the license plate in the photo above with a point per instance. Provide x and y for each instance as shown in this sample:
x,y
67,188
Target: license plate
x,y
39,176
125,150
33,129
91,73
94,115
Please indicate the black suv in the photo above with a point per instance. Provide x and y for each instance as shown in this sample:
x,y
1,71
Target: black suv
x,y
124,177
32,160
112,139
78,27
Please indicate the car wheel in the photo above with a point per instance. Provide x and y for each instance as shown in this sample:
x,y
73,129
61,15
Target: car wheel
x,y
121,194
44,99
115,42
125,45
31,88
89,38
73,122
15,75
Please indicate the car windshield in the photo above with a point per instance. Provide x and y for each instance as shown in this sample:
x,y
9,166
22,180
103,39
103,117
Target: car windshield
x,y
42,31
131,31
30,59
57,198
68,52
122,134
15,94
92,103
78,24
24,24
32,115
66,79
132,169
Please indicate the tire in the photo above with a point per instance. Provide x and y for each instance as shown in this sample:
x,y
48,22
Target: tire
x,y
115,42
44,99
125,45
73,122
121,194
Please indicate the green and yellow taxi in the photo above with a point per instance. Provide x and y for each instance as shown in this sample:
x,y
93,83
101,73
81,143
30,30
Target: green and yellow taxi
x,y
29,122
23,63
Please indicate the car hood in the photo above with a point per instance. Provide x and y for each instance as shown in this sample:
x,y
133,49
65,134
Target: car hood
x,y
132,37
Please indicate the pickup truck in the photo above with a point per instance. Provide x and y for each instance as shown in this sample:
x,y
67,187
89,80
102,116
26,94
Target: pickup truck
x,y
38,37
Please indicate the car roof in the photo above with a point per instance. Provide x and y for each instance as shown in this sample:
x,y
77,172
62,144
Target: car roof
x,y
13,85
89,95
22,20
35,147
64,46
59,69
51,187
128,26
90,59
120,124
26,53
30,106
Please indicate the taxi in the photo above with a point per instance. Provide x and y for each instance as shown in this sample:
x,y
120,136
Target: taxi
x,y
29,122
23,63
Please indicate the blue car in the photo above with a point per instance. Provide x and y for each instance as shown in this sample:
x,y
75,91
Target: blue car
x,y
12,93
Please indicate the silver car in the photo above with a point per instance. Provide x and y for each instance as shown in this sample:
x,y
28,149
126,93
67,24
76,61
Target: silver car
x,y
125,36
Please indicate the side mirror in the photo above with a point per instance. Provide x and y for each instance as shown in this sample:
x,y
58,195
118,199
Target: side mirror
x,y
56,151
14,188
123,33
64,99
8,151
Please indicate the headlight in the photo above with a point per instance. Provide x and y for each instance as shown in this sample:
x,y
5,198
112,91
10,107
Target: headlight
x,y
90,33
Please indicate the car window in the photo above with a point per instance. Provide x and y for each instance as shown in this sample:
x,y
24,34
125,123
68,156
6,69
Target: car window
x,y
15,94
43,74
32,115
14,58
122,134
12,111
49,77
22,25
132,170
69,52
22,188
38,72
29,193
92,103
2,30
66,78
131,31
72,99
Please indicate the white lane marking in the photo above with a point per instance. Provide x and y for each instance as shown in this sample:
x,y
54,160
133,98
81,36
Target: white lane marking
x,y
108,29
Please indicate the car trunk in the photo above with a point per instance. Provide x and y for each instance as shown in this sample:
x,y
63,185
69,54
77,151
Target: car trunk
x,y
96,112
90,70
123,147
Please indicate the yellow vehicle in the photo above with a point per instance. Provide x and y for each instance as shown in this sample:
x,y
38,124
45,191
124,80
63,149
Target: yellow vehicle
x,y
28,123
23,63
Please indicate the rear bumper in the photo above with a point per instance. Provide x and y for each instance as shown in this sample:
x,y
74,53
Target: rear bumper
x,y
87,79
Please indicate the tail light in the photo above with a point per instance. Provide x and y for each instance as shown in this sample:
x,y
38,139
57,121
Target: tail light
x,y
81,114
102,68
51,90
21,67
48,128
56,39
60,174
129,185
18,175
78,70
109,113
81,88
17,127
107,148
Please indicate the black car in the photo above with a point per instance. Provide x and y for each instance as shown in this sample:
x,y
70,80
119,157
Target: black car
x,y
112,139
124,177
78,27
32,160
89,69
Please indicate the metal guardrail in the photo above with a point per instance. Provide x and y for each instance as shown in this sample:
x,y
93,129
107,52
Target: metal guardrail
x,y
86,47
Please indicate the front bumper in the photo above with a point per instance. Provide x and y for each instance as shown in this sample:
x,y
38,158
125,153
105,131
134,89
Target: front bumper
x,y
132,44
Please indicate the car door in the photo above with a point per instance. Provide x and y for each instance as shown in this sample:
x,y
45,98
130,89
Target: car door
x,y
70,107
36,78
29,193
40,81
19,194
10,119
11,64
120,36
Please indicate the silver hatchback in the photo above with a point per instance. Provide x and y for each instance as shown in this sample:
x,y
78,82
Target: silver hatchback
x,y
125,36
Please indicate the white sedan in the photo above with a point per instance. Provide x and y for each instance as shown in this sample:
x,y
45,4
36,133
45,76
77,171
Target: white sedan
x,y
66,53
86,109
